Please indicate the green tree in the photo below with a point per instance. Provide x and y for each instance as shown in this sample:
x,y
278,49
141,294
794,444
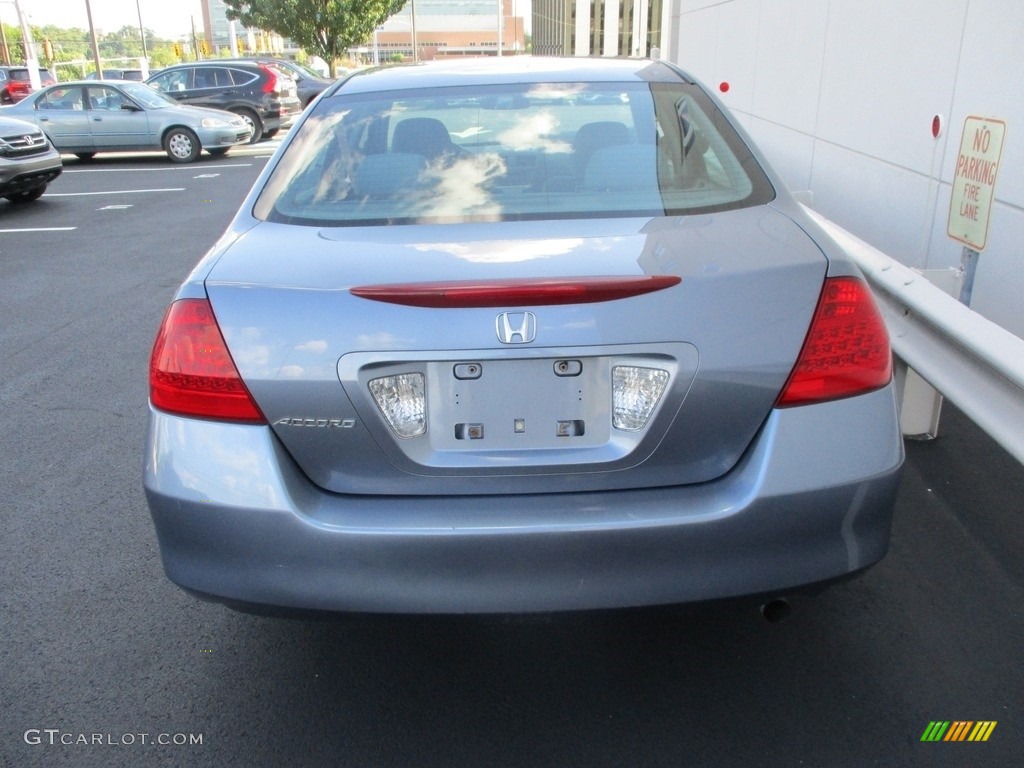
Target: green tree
x,y
325,28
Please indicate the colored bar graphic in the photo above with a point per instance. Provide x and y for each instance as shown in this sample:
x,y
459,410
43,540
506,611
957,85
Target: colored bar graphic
x,y
935,731
958,730
982,730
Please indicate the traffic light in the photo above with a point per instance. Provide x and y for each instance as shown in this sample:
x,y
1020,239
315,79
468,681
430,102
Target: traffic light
x,y
177,50
47,50
204,47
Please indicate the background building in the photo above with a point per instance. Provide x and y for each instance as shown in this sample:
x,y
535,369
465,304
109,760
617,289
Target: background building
x,y
597,27
842,95
217,33
449,28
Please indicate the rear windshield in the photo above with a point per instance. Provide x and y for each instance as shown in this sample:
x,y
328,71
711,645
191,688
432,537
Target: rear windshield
x,y
23,75
515,152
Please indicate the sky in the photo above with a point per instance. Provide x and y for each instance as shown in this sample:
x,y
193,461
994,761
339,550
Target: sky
x,y
170,19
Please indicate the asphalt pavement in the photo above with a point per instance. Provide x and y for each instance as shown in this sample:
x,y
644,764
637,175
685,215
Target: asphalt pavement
x,y
104,663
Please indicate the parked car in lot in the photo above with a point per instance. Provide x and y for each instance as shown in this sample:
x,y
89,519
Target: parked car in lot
x,y
117,74
472,345
86,117
260,94
308,83
15,83
28,162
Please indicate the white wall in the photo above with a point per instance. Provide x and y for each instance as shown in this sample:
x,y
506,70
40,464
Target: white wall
x,y
840,94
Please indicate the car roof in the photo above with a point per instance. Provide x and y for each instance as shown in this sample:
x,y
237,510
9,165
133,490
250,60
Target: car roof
x,y
212,63
510,70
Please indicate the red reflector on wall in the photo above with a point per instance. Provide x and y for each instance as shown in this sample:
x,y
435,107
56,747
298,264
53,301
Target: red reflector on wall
x,y
515,292
191,372
846,351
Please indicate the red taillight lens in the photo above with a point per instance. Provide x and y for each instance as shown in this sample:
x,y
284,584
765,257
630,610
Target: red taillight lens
x,y
515,292
191,372
846,351
271,82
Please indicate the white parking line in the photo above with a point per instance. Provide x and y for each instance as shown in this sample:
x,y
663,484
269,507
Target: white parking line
x,y
38,229
114,192
151,170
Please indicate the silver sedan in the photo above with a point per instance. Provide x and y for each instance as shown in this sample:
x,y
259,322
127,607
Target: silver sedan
x,y
87,117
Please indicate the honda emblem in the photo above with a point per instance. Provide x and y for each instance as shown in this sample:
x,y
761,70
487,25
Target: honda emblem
x,y
516,327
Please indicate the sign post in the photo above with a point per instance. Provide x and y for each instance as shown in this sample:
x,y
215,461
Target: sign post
x,y
974,183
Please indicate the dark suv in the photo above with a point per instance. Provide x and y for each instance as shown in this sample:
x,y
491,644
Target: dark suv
x,y
15,84
308,83
260,94
28,162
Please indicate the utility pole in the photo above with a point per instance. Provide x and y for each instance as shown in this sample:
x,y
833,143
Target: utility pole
x,y
3,44
95,45
30,50
142,31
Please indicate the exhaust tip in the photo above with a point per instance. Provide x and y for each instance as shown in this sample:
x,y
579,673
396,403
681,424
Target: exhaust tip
x,y
775,611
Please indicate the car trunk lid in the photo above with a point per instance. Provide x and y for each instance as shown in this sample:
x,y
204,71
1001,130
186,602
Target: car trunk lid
x,y
670,375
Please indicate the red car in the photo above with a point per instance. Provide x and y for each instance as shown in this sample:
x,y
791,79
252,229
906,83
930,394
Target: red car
x,y
15,84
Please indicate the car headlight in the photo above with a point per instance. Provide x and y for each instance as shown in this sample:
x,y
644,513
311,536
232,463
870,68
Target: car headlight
x,y
214,122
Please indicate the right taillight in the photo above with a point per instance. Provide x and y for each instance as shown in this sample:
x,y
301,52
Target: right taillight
x,y
846,351
270,85
191,372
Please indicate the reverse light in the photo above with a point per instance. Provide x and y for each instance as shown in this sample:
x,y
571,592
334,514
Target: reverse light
x,y
846,351
191,372
636,392
403,403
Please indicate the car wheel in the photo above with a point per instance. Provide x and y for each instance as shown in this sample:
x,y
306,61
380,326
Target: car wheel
x,y
27,196
271,134
182,145
252,119
84,155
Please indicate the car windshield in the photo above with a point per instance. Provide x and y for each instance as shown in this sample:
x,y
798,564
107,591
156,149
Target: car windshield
x,y
302,70
147,97
493,153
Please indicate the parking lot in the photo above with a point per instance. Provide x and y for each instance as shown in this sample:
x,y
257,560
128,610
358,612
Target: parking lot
x,y
105,663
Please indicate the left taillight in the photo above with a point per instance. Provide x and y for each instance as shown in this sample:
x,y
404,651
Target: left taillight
x,y
191,372
846,351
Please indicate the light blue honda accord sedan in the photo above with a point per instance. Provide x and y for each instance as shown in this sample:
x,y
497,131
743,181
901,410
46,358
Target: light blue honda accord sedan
x,y
518,335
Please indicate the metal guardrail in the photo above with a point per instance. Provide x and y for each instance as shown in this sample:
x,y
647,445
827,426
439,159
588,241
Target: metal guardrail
x,y
972,361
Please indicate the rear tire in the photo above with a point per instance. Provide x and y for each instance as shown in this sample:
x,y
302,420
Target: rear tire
x,y
181,145
252,119
27,196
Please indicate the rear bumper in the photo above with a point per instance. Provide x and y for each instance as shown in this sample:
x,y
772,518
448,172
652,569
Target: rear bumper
x,y
238,522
